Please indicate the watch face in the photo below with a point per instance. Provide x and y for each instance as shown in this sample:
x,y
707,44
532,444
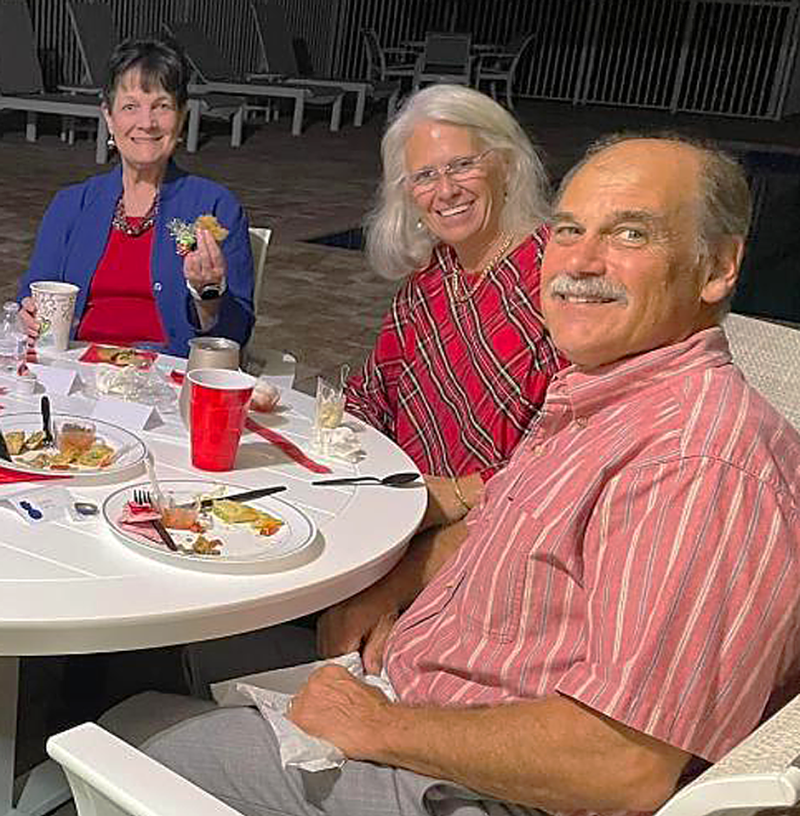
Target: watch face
x,y
210,292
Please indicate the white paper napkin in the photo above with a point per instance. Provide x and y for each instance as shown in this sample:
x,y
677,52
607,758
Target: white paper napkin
x,y
271,693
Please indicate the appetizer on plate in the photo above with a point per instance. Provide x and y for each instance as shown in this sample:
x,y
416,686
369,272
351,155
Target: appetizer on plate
x,y
77,448
197,531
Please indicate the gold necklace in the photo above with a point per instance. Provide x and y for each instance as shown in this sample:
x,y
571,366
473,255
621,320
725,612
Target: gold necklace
x,y
454,279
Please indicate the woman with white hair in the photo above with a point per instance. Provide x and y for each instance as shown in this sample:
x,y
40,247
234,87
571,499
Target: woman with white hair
x,y
462,361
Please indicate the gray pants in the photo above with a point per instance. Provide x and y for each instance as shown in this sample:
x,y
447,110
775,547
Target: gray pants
x,y
232,754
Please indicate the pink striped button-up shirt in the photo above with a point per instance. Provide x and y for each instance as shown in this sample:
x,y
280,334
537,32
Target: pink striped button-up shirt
x,y
640,554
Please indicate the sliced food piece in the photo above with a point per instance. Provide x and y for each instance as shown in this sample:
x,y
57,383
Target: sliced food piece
x,y
267,525
206,546
62,461
34,441
41,462
98,456
233,512
15,441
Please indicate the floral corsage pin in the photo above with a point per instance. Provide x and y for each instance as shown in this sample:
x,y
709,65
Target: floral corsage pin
x,y
185,234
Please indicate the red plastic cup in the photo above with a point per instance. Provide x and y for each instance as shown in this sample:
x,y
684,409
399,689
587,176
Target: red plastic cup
x,y
218,409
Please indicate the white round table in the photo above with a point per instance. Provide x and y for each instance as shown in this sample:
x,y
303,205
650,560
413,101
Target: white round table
x,y
76,588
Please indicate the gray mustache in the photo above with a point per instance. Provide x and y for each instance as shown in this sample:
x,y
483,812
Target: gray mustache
x,y
587,287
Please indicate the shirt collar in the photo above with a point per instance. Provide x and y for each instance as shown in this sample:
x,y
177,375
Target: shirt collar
x,y
590,391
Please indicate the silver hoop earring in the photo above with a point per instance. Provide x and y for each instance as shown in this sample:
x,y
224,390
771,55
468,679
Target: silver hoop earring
x,y
110,143
420,224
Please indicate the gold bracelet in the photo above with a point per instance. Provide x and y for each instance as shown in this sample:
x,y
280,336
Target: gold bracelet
x,y
460,495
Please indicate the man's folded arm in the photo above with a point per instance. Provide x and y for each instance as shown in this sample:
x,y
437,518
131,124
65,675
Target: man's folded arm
x,y
554,753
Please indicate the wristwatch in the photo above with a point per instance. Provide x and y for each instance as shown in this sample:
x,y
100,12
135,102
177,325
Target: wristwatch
x,y
211,291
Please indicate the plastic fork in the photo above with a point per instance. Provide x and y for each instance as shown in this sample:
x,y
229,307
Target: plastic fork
x,y
141,496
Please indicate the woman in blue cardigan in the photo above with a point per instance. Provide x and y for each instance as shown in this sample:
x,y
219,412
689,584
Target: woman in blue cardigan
x,y
149,273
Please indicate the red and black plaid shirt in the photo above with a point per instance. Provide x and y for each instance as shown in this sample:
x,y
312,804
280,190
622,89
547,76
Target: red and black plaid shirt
x,y
456,384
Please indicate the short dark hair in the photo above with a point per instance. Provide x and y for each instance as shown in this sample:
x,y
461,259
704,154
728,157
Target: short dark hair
x,y
160,63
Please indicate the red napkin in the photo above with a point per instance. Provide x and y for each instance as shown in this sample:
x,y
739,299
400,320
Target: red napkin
x,y
289,448
7,476
93,354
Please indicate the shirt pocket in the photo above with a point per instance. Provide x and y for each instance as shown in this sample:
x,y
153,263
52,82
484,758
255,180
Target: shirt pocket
x,y
497,586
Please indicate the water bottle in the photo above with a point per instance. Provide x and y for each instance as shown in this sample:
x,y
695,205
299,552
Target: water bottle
x,y
13,340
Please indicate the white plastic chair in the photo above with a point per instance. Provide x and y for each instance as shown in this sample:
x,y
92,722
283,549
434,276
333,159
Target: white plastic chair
x,y
760,772
259,244
108,777
769,356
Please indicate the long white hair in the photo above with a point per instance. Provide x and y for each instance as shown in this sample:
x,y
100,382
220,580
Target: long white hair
x,y
396,242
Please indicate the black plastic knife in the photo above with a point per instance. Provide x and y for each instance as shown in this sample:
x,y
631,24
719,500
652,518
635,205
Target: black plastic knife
x,y
47,425
4,454
246,496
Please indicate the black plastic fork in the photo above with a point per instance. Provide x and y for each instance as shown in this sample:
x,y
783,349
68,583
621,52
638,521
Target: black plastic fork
x,y
141,496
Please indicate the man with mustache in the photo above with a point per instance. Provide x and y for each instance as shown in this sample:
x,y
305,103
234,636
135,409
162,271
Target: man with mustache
x,y
623,600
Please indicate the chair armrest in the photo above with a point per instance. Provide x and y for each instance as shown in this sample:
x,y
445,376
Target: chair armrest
x,y
266,77
79,89
400,52
138,784
750,791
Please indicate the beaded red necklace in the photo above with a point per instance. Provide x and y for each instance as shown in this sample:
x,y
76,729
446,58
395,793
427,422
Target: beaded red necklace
x,y
121,223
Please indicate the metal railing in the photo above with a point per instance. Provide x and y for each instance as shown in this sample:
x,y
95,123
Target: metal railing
x,y
734,57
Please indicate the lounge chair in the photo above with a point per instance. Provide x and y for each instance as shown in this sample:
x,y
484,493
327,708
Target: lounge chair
x,y
97,37
376,73
22,85
500,66
280,63
445,58
388,62
216,75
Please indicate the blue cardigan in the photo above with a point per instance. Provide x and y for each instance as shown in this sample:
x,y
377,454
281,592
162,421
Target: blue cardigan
x,y
74,232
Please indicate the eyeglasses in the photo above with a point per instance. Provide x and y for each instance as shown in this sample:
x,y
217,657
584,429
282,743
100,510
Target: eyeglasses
x,y
458,170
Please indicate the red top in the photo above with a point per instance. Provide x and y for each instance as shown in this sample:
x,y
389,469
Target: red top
x,y
121,308
456,384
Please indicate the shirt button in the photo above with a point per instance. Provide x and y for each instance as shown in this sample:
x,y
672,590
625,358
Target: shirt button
x,y
537,449
581,421
157,287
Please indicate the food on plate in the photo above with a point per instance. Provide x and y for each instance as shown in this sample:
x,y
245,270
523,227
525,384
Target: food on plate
x,y
98,456
266,396
207,546
218,529
77,448
209,222
15,441
182,518
34,441
267,525
121,356
233,512
41,462
61,461
74,437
